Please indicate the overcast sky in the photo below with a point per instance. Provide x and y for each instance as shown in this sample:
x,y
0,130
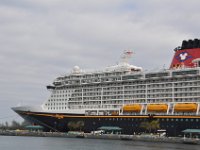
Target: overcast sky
x,y
42,39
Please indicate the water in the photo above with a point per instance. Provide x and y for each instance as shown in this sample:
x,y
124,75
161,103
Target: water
x,y
52,143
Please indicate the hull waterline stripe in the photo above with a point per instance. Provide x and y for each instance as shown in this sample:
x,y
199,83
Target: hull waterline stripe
x,y
72,116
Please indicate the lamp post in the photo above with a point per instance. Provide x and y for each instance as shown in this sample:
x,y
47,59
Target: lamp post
x,y
93,123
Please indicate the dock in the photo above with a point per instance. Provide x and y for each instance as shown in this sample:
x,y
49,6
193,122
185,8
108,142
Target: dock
x,y
144,138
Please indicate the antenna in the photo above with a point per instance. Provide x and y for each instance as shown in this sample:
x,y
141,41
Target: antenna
x,y
126,56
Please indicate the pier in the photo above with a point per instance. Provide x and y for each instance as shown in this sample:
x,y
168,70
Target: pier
x,y
144,138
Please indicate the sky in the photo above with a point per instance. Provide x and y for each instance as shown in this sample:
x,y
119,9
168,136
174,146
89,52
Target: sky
x,y
43,39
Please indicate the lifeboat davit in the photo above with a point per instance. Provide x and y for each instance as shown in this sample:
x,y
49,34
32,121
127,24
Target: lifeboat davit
x,y
185,107
157,107
132,108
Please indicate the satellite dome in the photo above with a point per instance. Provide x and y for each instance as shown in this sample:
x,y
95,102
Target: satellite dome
x,y
76,69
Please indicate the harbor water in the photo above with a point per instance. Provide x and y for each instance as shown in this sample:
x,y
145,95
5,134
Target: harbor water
x,y
55,143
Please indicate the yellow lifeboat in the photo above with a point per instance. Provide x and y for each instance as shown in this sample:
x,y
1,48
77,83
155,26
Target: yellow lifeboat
x,y
132,108
185,107
157,107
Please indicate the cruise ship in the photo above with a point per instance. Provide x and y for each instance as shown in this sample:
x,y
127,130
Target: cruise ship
x,y
125,96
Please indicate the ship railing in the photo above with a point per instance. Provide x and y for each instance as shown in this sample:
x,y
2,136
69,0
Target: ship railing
x,y
107,112
131,113
185,113
183,67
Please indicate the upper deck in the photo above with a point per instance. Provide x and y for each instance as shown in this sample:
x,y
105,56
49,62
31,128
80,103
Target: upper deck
x,y
126,75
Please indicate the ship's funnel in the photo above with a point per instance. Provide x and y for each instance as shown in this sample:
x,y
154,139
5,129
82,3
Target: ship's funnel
x,y
186,54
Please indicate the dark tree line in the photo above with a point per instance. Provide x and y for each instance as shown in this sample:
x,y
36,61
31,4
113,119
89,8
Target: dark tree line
x,y
14,125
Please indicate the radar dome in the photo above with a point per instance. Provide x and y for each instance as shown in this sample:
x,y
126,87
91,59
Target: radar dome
x,y
76,69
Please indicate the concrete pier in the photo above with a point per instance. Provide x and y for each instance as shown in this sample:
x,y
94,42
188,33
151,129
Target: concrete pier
x,y
144,138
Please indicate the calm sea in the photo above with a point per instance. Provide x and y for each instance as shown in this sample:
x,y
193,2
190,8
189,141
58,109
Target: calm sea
x,y
52,143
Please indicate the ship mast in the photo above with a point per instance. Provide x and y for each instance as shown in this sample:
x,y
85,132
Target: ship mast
x,y
127,55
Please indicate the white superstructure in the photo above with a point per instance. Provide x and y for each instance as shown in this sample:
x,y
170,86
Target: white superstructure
x,y
107,92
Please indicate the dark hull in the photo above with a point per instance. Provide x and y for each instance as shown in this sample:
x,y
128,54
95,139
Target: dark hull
x,y
129,124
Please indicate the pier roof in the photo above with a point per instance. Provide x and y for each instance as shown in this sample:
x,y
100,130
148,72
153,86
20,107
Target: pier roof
x,y
110,128
191,131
